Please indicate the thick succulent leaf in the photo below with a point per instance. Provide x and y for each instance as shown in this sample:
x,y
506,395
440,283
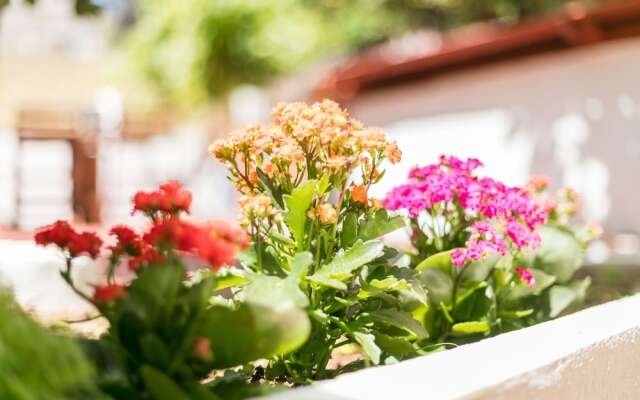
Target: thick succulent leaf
x,y
300,264
543,281
369,347
440,260
560,253
439,285
328,282
251,332
560,298
155,351
400,319
478,271
228,277
349,232
275,292
298,202
379,224
398,347
471,327
343,265
161,386
473,304
150,295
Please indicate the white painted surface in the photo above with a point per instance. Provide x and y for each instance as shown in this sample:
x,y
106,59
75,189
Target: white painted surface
x,y
33,274
592,354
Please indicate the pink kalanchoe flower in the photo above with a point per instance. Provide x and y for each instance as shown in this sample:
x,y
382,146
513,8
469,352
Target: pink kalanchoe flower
x,y
497,214
526,276
458,257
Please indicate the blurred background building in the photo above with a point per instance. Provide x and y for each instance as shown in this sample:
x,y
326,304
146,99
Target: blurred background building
x,y
100,98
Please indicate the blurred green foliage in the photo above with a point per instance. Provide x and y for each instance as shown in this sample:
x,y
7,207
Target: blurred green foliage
x,y
36,364
192,51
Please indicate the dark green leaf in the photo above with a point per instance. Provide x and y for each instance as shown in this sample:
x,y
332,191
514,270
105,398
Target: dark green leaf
x,y
349,232
160,385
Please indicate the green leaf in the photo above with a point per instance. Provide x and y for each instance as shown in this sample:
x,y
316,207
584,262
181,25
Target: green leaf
x,y
439,285
298,202
543,281
273,192
478,271
228,277
275,292
560,253
160,385
369,347
560,298
251,332
517,313
349,232
328,282
300,264
398,347
155,351
379,224
343,265
471,327
323,184
400,319
440,260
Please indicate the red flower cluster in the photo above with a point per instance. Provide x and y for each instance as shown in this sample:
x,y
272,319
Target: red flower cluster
x,y
129,243
109,293
65,237
170,198
215,242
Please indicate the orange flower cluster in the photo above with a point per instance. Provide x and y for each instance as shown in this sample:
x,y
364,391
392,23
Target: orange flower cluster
x,y
304,142
258,207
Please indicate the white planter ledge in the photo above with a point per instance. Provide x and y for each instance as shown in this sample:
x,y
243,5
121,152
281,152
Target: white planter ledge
x,y
592,354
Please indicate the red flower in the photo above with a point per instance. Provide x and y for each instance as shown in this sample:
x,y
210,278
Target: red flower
x,y
109,293
65,237
59,233
129,242
218,242
172,232
170,198
85,242
148,255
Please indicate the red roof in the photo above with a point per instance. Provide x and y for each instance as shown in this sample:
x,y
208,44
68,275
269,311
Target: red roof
x,y
429,53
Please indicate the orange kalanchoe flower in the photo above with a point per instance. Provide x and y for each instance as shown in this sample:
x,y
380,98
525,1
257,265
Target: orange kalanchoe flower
x,y
359,194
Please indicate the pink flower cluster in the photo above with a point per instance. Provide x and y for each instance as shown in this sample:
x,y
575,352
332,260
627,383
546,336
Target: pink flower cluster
x,y
496,213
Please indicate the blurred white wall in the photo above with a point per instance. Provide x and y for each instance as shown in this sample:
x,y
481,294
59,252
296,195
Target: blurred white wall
x,y
572,115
